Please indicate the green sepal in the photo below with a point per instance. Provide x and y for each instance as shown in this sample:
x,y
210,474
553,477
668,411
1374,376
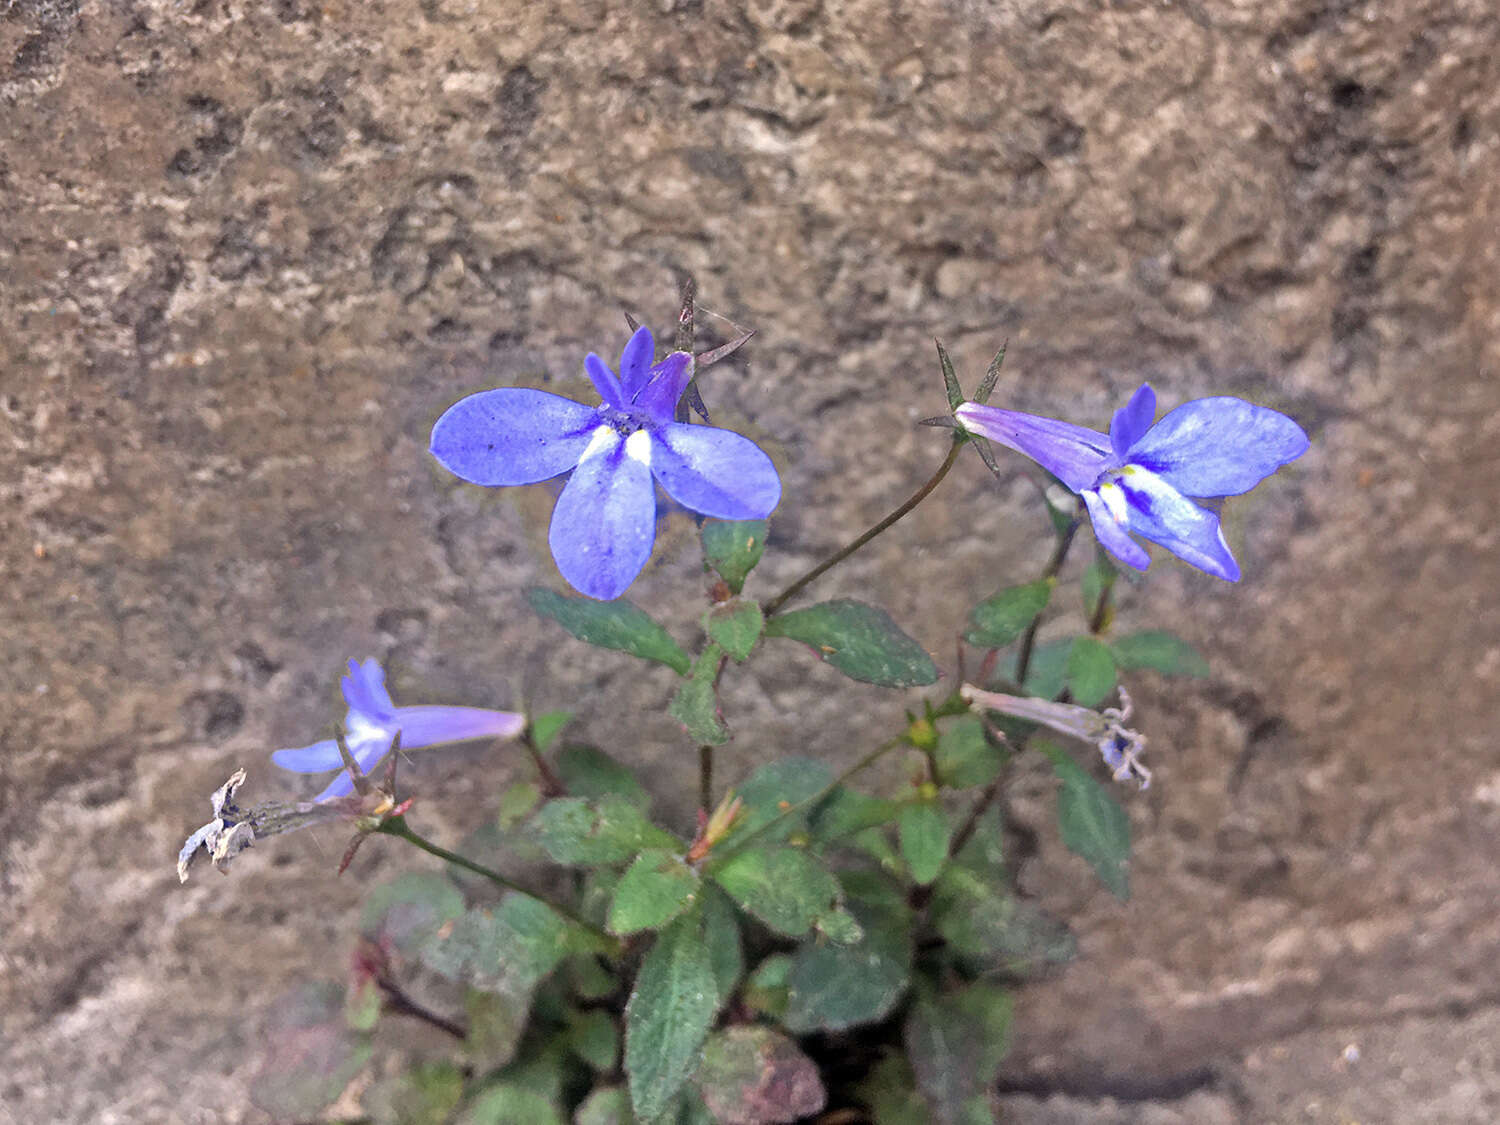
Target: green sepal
x,y
616,625
991,376
859,640
732,548
950,378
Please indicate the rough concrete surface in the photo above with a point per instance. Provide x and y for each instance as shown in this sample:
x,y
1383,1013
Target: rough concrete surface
x,y
249,251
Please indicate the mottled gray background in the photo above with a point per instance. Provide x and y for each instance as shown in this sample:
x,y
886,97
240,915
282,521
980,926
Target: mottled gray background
x,y
249,251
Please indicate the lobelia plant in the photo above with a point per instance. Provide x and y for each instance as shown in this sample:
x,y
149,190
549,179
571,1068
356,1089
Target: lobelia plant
x,y
809,950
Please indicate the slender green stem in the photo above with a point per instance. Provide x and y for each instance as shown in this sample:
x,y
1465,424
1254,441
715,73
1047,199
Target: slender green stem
x,y
706,778
552,785
739,844
398,827
971,822
843,553
1054,565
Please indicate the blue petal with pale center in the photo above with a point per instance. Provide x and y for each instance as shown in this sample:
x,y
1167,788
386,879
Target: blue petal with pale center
x,y
717,472
1218,446
605,520
512,436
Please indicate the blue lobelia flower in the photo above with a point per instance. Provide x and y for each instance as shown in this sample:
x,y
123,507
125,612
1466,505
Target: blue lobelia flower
x,y
1137,478
604,523
373,720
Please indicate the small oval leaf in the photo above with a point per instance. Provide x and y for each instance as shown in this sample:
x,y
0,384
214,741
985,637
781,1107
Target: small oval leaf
x,y
859,640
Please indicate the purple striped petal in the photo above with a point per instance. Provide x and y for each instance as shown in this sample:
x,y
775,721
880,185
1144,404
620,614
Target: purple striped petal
x,y
1074,455
605,520
364,689
1163,515
317,758
717,472
512,436
1112,535
1132,421
635,363
1218,446
664,386
430,726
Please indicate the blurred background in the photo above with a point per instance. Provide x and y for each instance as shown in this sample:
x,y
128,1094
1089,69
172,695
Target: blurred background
x,y
250,251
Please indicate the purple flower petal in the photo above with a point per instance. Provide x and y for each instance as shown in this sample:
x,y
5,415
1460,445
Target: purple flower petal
x,y
605,520
1074,455
604,380
340,786
512,436
1163,515
1132,420
364,689
1218,446
1113,536
635,363
717,472
317,758
664,386
429,726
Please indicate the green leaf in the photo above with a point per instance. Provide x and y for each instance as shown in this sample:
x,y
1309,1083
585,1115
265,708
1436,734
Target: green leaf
x,y
786,888
588,979
956,1042
594,1037
584,833
308,1056
997,621
846,811
1161,652
965,757
752,1075
734,626
496,1023
1092,823
617,625
831,987
605,1105
840,927
516,803
774,788
721,933
733,547
950,378
426,1094
507,950
656,888
1091,671
508,1104
766,988
859,640
589,772
890,1092
696,704
668,1016
923,833
544,728
1048,673
404,913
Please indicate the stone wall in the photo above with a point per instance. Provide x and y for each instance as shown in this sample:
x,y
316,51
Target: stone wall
x,y
249,251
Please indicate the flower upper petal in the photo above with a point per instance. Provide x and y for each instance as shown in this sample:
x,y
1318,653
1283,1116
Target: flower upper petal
x,y
429,726
717,472
1074,455
512,436
1218,446
605,520
364,689
604,380
316,758
664,386
1162,514
635,362
1112,535
1132,421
